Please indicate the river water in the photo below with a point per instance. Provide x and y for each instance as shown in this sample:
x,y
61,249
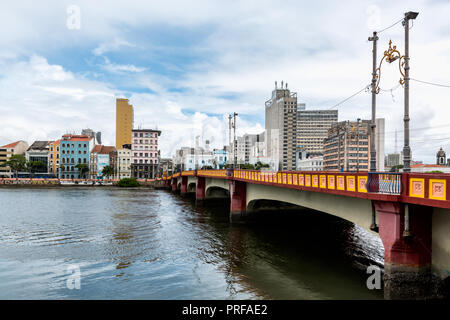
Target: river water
x,y
151,244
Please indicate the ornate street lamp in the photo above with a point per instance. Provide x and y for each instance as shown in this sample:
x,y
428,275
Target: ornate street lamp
x,y
391,55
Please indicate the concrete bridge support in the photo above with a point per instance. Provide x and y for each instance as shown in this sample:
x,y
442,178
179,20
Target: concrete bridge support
x,y
174,184
238,197
407,255
200,191
184,186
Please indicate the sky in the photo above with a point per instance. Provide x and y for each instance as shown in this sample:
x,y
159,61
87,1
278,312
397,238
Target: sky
x,y
186,65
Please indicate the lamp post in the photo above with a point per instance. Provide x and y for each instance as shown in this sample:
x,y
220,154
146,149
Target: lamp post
x,y
373,152
235,141
391,55
406,148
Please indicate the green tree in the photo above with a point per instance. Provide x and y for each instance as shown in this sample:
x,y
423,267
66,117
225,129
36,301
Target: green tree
x,y
128,183
259,165
248,166
396,168
108,171
16,163
34,166
83,169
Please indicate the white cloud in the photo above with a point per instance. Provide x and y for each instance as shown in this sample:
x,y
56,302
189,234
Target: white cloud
x,y
320,49
114,45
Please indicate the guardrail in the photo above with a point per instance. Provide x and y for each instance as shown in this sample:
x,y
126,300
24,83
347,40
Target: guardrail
x,y
385,183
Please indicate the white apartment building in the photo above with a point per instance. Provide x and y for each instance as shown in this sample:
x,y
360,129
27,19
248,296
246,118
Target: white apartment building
x,y
123,163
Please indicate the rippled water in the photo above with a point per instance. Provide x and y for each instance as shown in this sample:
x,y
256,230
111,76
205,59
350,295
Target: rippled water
x,y
150,244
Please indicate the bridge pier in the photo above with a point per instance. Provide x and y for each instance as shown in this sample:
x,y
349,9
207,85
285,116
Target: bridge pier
x,y
200,191
407,257
174,185
184,186
238,197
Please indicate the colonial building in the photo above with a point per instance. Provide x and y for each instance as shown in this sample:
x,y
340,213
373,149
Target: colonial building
x,y
74,150
123,162
144,153
100,157
6,151
53,157
440,157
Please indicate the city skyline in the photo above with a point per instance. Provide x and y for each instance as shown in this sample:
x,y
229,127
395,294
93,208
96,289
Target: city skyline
x,y
184,70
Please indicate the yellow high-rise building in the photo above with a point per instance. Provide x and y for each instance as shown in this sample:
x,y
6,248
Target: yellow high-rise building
x,y
124,122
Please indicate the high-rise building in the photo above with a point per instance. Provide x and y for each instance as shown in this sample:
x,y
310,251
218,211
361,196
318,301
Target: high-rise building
x,y
281,128
347,148
145,153
379,143
312,129
124,122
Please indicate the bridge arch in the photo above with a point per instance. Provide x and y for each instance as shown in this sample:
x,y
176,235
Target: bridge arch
x,y
355,210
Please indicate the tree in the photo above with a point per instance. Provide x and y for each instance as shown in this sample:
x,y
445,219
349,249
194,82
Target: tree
x,y
108,171
16,163
248,166
259,165
34,166
128,183
83,169
396,168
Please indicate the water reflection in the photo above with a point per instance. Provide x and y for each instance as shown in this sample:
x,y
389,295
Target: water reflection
x,y
144,244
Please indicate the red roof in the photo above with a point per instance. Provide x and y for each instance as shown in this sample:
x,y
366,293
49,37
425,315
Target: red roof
x,y
11,145
420,165
76,137
103,149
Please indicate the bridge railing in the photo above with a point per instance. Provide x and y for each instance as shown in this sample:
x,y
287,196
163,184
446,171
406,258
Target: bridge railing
x,y
385,183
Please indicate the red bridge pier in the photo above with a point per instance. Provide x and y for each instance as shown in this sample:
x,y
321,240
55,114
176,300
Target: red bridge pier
x,y
174,184
407,256
238,203
184,186
200,191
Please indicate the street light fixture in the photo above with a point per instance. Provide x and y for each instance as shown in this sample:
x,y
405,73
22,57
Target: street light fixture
x,y
391,55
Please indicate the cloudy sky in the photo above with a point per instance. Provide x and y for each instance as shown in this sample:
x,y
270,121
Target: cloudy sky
x,y
185,65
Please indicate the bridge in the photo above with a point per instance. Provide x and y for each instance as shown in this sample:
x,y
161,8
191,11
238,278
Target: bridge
x,y
410,212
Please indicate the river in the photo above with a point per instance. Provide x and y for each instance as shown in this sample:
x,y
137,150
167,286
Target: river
x,y
151,244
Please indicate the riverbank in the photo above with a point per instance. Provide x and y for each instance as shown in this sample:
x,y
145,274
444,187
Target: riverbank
x,y
67,183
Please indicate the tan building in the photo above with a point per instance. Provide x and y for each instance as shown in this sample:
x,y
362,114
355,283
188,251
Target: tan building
x,y
281,128
6,151
123,163
124,122
312,128
347,148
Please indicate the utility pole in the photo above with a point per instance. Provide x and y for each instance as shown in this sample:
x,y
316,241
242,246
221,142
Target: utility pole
x,y
229,135
235,140
357,144
373,152
406,148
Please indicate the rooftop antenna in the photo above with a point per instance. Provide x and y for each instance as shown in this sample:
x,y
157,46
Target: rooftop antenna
x,y
275,85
